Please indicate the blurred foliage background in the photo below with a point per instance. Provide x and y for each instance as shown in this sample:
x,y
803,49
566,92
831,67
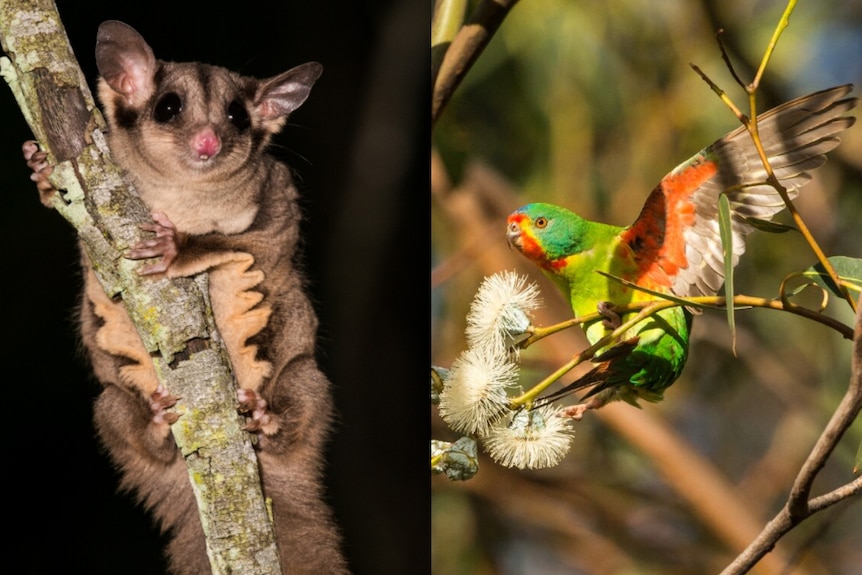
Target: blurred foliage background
x,y
588,105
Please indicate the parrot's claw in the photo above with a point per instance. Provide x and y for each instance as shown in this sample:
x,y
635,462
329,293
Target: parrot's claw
x,y
611,319
577,412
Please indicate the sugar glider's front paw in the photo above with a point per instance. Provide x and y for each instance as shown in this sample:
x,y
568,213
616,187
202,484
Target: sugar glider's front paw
x,y
37,160
255,407
165,245
160,401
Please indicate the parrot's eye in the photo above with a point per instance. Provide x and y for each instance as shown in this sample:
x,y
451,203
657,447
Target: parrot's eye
x,y
541,222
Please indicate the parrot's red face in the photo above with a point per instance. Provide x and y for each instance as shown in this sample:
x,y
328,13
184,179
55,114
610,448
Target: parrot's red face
x,y
546,234
520,235
515,231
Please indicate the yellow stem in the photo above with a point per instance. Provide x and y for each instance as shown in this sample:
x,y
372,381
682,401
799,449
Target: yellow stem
x,y
743,301
648,308
791,208
750,124
797,218
782,24
722,95
540,333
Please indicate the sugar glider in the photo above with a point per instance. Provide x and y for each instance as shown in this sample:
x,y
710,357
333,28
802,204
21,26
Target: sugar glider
x,y
191,138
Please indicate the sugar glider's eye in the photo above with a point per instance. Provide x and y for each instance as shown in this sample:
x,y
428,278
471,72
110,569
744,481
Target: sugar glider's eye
x,y
238,115
167,108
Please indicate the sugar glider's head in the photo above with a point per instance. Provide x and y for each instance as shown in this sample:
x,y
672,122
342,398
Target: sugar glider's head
x,y
188,120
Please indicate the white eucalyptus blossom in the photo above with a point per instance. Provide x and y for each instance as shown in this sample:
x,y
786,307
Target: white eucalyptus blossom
x,y
474,395
532,439
500,313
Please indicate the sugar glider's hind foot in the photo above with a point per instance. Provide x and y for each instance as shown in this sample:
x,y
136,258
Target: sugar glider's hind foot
x,y
255,407
160,401
37,160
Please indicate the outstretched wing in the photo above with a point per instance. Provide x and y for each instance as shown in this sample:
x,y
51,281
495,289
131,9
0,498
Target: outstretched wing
x,y
675,239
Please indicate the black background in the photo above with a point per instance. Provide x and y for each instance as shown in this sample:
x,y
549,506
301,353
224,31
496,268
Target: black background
x,y
359,147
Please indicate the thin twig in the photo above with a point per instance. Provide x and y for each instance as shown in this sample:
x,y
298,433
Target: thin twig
x,y
782,24
722,95
840,494
841,420
701,302
447,20
726,57
750,123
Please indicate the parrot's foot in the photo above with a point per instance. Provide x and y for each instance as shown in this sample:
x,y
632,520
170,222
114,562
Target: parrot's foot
x,y
577,412
612,319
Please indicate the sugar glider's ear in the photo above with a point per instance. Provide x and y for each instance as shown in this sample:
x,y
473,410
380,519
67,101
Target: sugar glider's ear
x,y
278,97
125,61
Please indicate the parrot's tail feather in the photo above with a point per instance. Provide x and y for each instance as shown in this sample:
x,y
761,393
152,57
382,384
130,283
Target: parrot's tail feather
x,y
598,376
593,377
618,350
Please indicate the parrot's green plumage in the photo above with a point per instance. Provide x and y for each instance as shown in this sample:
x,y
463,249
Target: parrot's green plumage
x,y
674,245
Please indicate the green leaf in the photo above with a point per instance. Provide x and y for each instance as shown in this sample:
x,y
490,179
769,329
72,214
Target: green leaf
x,y
725,229
769,226
849,272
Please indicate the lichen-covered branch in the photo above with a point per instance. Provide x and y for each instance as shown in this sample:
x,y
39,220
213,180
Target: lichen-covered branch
x,y
171,316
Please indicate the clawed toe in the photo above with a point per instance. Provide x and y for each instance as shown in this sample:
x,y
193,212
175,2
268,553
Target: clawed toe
x,y
160,401
254,406
611,319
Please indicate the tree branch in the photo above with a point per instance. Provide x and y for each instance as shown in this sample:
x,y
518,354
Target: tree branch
x,y
465,49
171,316
799,507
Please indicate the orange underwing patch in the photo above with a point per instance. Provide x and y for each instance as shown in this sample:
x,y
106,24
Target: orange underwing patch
x,y
656,238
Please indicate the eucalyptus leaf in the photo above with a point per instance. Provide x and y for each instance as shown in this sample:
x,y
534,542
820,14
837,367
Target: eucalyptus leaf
x,y
849,271
770,227
725,229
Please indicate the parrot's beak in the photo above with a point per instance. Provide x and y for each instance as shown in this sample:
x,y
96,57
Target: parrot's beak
x,y
513,235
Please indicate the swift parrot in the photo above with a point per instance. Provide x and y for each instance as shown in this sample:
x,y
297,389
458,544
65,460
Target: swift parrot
x,y
674,245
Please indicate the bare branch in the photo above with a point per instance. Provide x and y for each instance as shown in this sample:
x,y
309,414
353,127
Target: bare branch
x,y
798,506
465,49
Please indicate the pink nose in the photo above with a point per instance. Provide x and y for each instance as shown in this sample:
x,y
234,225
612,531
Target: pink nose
x,y
206,144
